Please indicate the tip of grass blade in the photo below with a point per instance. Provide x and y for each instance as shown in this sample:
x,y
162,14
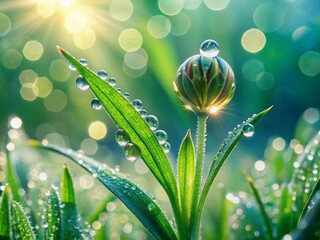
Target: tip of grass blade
x,y
60,50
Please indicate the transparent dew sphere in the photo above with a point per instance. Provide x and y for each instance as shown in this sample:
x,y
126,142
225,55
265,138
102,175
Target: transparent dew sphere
x,y
166,147
137,104
71,67
95,104
122,138
131,152
248,130
209,48
83,62
102,74
82,83
112,81
152,121
161,136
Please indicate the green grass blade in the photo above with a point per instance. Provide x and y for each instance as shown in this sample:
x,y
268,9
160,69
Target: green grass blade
x,y
5,230
21,226
260,204
53,216
127,118
137,201
186,171
285,212
67,191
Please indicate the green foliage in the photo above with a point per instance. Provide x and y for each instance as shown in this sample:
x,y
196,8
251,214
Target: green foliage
x,y
5,228
53,216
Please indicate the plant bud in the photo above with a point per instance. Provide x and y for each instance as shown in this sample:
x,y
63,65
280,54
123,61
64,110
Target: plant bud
x,y
205,82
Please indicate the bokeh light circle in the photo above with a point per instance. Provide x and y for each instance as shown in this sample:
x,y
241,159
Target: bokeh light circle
x,y
33,50
46,8
5,24
75,22
97,130
44,86
56,101
192,4
265,81
253,40
170,7
27,76
309,63
251,69
136,60
59,70
130,39
159,26
85,39
11,59
180,24
121,10
268,16
216,5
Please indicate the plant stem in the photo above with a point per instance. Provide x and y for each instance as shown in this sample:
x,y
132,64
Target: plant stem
x,y
201,146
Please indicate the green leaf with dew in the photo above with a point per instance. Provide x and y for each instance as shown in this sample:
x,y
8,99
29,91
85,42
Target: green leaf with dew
x,y
137,201
52,226
21,226
5,225
186,171
128,119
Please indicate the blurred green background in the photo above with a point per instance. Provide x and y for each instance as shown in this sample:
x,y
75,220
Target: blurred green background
x,y
272,46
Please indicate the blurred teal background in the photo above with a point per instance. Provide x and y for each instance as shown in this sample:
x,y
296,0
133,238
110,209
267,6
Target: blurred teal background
x,y
272,46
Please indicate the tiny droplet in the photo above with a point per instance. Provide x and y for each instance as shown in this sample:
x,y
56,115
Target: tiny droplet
x,y
161,136
112,81
166,147
248,130
209,48
71,67
95,104
152,121
122,138
82,83
83,62
102,74
143,113
126,95
131,152
137,104
150,206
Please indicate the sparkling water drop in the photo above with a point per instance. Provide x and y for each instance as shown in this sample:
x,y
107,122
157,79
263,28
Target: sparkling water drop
x,y
119,90
209,48
102,74
82,83
122,138
126,95
152,121
131,152
137,104
95,104
143,113
150,206
83,62
161,136
112,81
248,130
166,147
71,67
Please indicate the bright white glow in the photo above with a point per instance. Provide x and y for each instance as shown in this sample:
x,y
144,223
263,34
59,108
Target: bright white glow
x,y
15,123
188,107
214,110
65,2
259,165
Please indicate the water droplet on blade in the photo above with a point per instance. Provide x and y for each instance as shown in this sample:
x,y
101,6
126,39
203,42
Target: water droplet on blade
x,y
209,48
95,104
82,83
166,147
152,121
137,104
71,67
102,74
112,81
248,130
122,138
131,152
143,113
83,62
161,136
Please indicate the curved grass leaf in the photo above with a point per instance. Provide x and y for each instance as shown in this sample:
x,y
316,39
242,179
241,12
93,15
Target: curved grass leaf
x,y
53,216
5,230
21,226
260,204
186,171
127,118
70,219
137,201
217,162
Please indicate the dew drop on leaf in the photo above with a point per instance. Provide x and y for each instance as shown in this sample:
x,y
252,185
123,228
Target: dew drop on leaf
x,y
161,136
126,95
209,48
95,104
152,121
248,130
131,152
71,67
150,206
82,83
102,74
112,81
137,104
122,138
143,113
83,62
166,147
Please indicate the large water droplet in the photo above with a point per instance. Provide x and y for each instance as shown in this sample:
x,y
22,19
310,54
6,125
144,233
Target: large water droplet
x,y
166,147
122,138
112,81
248,130
143,113
137,104
102,74
161,136
83,62
131,152
152,121
71,67
209,48
95,104
82,83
